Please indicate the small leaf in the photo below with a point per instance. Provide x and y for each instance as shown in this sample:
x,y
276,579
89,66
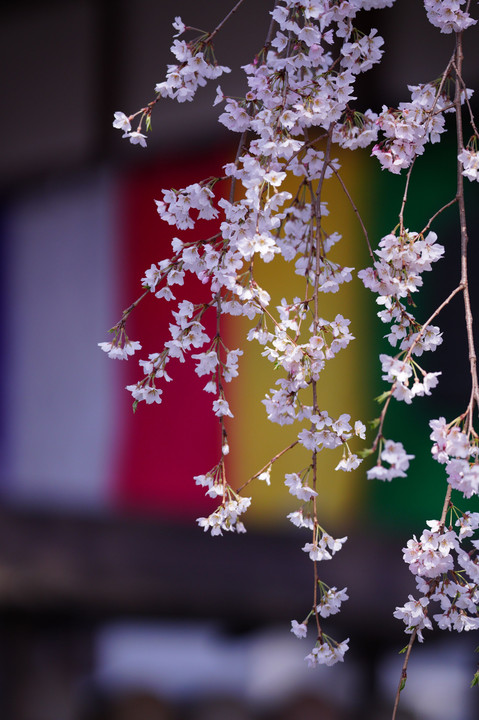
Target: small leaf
x,y
401,652
381,398
365,453
475,679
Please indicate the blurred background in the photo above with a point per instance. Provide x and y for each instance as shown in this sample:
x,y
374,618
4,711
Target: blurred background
x,y
113,604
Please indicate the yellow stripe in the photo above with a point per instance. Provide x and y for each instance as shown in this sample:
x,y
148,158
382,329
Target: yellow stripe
x,y
342,386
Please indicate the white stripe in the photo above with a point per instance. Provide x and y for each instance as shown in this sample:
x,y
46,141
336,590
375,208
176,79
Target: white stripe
x,y
60,386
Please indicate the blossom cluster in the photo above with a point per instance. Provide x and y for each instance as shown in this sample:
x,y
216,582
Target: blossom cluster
x,y
447,574
394,277
448,16
470,162
459,453
122,122
120,351
193,69
326,651
176,206
402,260
226,516
407,129
396,457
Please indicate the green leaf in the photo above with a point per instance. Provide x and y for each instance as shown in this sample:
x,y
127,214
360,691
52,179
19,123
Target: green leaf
x,y
402,685
475,679
148,123
401,652
374,423
365,453
381,398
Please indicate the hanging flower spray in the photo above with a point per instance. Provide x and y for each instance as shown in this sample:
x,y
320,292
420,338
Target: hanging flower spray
x,y
300,106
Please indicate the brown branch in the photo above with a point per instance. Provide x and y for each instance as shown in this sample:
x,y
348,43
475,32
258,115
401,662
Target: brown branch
x,y
445,507
474,397
403,204
403,678
128,310
355,209
436,214
268,464
443,80
225,19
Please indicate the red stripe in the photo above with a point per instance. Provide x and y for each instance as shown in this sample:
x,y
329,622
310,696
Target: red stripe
x,y
161,447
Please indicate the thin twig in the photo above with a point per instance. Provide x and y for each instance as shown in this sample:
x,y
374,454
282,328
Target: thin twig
x,y
268,464
238,155
355,209
436,214
431,318
403,678
443,80
468,104
129,309
269,36
225,19
403,204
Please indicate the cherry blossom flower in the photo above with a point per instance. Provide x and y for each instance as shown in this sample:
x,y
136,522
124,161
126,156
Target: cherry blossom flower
x,y
299,629
118,352
222,408
136,138
470,162
414,616
179,26
122,122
